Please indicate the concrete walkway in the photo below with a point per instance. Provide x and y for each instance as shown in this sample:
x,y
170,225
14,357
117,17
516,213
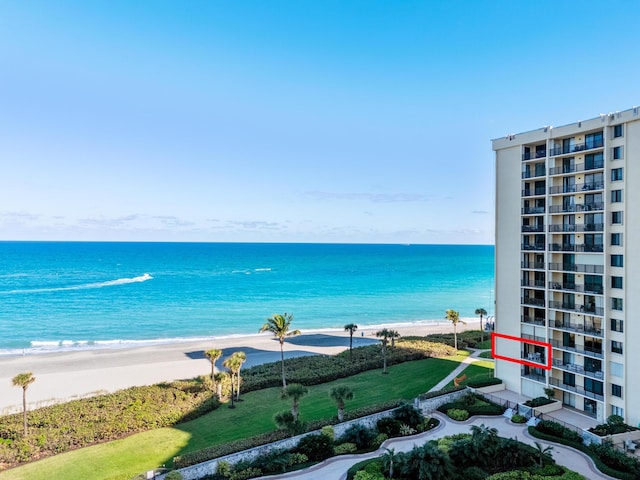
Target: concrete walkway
x,y
335,468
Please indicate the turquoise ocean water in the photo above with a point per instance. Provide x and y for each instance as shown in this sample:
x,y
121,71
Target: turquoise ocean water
x,y
71,295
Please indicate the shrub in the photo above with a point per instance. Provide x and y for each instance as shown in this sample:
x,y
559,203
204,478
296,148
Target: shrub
x,y
474,473
297,459
484,382
439,393
246,474
458,414
360,435
223,468
408,415
362,475
316,447
175,475
616,459
328,431
538,402
379,440
517,418
556,430
344,448
406,430
389,426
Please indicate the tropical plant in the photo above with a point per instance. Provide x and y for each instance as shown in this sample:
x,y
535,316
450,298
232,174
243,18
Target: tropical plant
x,y
359,435
24,380
388,460
233,365
550,393
483,313
543,453
213,355
279,326
295,392
340,395
351,328
241,357
286,421
393,334
454,317
426,463
384,336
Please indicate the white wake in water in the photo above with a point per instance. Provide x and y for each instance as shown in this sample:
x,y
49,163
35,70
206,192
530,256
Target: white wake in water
x,y
110,283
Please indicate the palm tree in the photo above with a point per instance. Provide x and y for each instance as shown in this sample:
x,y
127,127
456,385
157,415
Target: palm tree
x,y
351,328
340,395
279,326
388,459
454,317
384,336
393,334
241,357
232,364
543,452
213,355
24,380
295,392
483,313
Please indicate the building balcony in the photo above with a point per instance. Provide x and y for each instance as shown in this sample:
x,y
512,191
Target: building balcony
x,y
579,369
532,246
587,351
590,248
538,172
528,192
533,228
576,267
534,357
580,207
536,302
572,287
565,247
534,155
582,167
572,227
577,147
532,375
573,389
532,265
540,321
599,311
532,210
581,187
577,328
570,247
525,282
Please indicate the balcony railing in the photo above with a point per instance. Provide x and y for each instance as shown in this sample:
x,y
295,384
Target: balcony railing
x,y
588,351
528,192
540,321
534,357
581,167
565,247
533,228
590,248
532,246
572,287
578,328
581,187
532,210
525,282
580,227
572,388
541,172
599,311
577,147
536,302
579,369
576,267
533,265
527,373
580,207
533,155
531,337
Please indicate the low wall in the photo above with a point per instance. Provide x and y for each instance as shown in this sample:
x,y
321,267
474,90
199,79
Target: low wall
x,y
490,388
551,407
200,470
589,437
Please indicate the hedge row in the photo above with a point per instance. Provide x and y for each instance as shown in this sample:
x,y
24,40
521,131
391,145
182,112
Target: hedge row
x,y
484,382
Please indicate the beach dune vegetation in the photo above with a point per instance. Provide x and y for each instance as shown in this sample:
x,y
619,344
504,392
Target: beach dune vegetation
x,y
279,326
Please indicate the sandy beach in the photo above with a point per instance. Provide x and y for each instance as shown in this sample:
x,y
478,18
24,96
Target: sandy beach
x,y
64,376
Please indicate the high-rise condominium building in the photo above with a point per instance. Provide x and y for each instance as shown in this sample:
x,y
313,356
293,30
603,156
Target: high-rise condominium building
x,y
568,263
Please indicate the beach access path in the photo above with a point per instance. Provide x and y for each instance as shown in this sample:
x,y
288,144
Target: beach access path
x,y
69,375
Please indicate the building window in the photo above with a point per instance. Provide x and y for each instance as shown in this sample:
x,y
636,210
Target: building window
x,y
616,282
594,386
616,174
617,261
616,239
616,390
616,369
616,196
616,347
569,379
616,303
593,140
617,411
617,131
616,218
617,325
617,153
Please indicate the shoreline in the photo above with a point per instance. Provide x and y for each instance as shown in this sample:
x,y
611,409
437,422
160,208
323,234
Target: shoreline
x,y
65,375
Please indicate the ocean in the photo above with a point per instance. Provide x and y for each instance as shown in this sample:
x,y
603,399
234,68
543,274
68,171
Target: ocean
x,y
73,295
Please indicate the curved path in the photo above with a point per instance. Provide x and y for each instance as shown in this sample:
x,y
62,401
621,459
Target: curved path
x,y
335,468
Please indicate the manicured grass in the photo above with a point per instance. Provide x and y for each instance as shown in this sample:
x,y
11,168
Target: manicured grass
x,y
122,459
476,371
486,355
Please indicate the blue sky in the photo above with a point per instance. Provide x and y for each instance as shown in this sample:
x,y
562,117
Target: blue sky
x,y
296,121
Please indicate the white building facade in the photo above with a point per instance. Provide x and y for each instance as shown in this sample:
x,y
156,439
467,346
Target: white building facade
x,y
567,227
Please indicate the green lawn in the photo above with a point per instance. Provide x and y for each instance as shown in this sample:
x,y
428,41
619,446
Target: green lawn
x,y
477,370
122,459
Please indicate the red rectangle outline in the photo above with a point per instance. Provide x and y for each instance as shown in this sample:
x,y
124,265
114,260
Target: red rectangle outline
x,y
521,361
